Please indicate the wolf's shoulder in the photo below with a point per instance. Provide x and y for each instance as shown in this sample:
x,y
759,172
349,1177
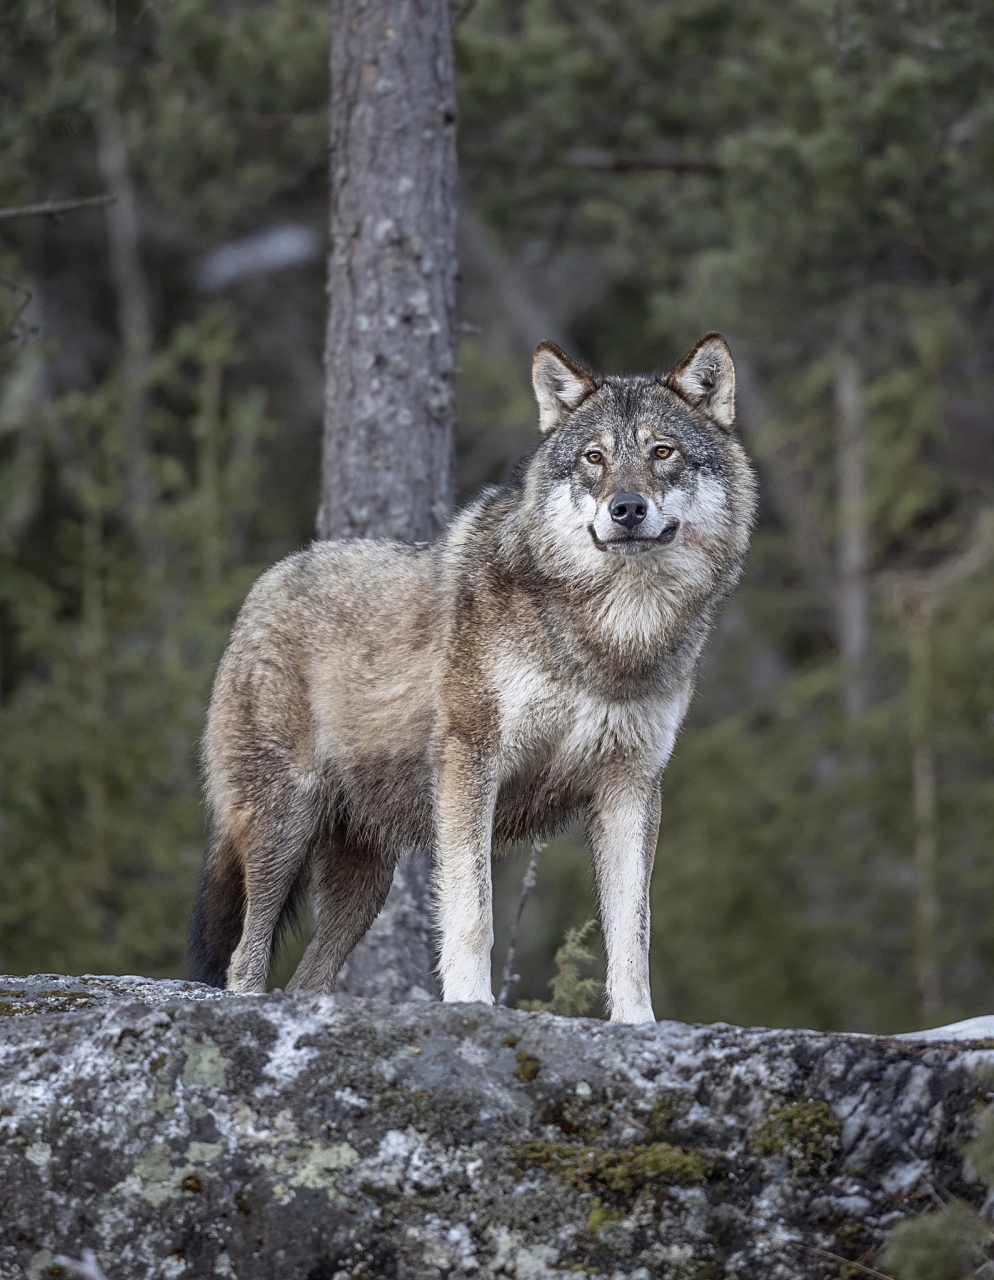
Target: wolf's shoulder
x,y
344,571
324,557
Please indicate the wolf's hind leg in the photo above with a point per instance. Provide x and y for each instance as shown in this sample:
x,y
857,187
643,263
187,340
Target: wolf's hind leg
x,y
350,880
275,866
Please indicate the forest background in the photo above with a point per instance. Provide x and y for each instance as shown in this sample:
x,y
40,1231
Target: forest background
x,y
813,178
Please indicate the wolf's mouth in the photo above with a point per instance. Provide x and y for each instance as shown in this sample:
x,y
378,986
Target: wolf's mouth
x,y
631,544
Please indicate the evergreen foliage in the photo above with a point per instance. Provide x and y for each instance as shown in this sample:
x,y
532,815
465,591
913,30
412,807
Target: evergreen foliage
x,y
954,1243
102,825
113,611
573,995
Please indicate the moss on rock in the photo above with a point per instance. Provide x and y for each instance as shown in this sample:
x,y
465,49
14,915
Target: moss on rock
x,y
622,1171
805,1132
600,1214
528,1067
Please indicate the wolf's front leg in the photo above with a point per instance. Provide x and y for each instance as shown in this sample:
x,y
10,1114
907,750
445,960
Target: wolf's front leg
x,y
464,811
624,824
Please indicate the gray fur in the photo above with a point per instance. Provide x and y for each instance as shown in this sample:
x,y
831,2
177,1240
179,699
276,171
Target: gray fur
x,y
533,665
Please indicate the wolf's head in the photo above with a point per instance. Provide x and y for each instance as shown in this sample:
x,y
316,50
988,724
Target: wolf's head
x,y
644,471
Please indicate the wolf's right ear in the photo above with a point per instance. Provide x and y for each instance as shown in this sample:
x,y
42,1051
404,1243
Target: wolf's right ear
x,y
560,385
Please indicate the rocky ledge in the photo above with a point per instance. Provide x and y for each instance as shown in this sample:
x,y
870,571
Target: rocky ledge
x,y
178,1131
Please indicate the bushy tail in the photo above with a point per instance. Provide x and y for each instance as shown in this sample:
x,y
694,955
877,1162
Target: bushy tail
x,y
218,913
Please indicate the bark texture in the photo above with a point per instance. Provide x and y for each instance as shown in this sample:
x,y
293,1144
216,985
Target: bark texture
x,y
390,399
182,1131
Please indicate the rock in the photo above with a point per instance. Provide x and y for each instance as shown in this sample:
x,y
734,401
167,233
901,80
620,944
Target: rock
x,y
181,1131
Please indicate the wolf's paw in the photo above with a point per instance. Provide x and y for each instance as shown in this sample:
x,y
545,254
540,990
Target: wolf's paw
x,y
632,1014
466,991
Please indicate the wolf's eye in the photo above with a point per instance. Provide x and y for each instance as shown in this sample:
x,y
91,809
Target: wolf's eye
x,y
663,451
595,456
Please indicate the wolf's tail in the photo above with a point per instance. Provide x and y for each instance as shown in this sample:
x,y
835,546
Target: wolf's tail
x,y
218,912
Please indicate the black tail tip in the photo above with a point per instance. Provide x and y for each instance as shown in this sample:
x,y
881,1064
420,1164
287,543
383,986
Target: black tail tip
x,y
216,921
203,967
206,961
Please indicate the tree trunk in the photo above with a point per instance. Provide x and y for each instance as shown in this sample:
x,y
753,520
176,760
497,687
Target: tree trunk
x,y
853,544
386,468
133,312
390,354
916,603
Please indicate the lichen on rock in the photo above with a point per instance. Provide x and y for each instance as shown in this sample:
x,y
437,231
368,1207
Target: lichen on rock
x,y
182,1132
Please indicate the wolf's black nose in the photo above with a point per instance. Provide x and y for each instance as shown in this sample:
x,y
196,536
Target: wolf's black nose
x,y
628,509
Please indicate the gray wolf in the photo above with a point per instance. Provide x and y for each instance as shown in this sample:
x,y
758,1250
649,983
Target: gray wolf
x,y
532,666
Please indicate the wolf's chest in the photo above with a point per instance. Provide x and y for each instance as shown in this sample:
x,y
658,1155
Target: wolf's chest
x,y
561,727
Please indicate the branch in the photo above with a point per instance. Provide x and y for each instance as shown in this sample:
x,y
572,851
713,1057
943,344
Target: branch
x,y
527,884
975,558
509,300
849,1262
609,162
916,591
13,331
52,208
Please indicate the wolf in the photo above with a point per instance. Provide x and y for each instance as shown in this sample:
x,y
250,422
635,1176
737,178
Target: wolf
x,y
531,666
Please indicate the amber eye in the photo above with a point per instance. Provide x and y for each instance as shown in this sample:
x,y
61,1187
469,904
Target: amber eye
x,y
595,456
663,451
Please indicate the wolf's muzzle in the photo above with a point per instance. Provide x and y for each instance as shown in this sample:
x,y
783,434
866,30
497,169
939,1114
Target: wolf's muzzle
x,y
628,509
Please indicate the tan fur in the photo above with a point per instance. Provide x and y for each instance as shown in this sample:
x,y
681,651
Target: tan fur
x,y
533,665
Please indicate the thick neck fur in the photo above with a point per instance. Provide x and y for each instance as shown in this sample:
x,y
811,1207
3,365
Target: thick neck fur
x,y
618,624
632,613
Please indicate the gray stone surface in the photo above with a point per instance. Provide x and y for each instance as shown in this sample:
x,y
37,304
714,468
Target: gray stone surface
x,y
179,1131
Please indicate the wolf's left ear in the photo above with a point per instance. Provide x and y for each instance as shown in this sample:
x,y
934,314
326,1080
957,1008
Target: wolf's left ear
x,y
560,385
705,378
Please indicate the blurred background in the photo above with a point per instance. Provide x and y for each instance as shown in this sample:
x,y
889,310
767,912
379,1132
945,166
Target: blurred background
x,y
815,178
